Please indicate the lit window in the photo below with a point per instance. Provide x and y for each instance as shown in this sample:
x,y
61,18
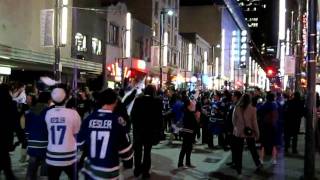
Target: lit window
x,y
81,42
113,35
155,29
96,46
156,9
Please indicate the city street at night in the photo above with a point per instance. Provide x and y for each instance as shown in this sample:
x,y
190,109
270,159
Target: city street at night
x,y
159,89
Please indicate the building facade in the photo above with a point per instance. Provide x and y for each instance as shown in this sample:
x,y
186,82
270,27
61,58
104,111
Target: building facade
x,y
195,54
149,12
225,29
259,14
27,48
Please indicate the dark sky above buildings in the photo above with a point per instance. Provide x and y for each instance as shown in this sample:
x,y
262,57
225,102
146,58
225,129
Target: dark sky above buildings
x,y
198,2
109,2
182,2
267,33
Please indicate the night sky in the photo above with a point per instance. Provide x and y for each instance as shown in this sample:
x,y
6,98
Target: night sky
x,y
199,2
268,34
109,2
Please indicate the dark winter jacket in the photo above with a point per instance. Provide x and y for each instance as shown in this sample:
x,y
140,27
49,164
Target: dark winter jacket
x,y
36,130
293,112
9,125
189,122
146,118
121,111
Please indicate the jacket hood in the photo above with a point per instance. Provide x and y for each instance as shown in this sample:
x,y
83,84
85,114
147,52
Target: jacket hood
x,y
37,109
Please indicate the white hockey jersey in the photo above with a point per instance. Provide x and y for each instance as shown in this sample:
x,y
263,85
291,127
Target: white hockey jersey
x,y
63,125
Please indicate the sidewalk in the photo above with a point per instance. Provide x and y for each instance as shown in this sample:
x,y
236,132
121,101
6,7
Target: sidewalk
x,y
289,167
164,163
210,164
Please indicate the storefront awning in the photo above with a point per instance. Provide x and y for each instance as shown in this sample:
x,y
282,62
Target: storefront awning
x,y
13,57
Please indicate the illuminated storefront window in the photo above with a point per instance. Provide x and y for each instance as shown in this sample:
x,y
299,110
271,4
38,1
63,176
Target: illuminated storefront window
x,y
81,42
96,46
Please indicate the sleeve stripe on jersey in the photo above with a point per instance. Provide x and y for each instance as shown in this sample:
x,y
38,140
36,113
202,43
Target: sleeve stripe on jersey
x,y
80,143
29,140
127,154
60,162
37,147
61,156
105,169
39,144
99,172
126,149
61,153
128,158
62,159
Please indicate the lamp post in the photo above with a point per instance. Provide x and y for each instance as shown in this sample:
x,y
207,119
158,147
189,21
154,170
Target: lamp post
x,y
309,158
56,67
162,16
299,44
60,34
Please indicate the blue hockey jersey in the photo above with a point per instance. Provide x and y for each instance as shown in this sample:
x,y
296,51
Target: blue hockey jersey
x,y
107,141
36,131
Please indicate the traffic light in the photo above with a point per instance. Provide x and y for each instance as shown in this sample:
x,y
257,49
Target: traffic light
x,y
271,72
304,82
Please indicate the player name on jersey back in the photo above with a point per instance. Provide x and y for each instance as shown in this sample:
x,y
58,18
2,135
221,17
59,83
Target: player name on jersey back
x,y
62,124
58,120
100,124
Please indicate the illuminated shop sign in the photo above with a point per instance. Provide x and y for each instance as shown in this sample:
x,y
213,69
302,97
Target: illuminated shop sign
x,y
243,49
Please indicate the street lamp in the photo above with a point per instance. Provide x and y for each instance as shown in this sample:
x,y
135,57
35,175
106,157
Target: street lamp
x,y
170,12
215,60
163,12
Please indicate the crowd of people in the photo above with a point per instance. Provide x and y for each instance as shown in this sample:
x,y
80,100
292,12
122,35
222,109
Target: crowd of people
x,y
60,131
269,120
